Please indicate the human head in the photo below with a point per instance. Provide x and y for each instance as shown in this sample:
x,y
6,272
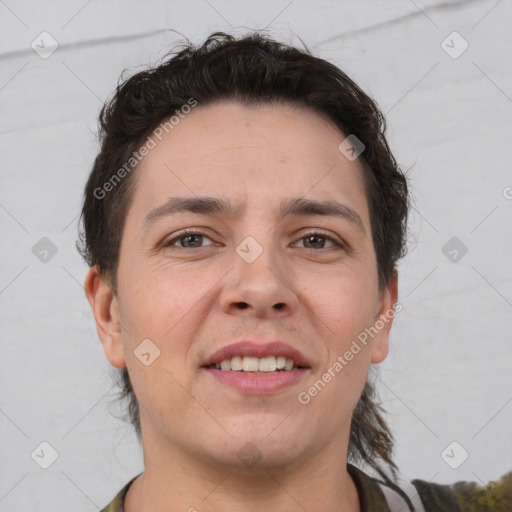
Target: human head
x,y
252,71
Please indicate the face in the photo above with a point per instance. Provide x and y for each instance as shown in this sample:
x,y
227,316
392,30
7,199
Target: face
x,y
277,268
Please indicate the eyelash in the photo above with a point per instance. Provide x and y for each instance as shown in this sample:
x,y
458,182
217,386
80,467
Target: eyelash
x,y
187,232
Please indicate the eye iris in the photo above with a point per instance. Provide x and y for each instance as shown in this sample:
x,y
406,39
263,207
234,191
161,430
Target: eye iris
x,y
315,237
197,237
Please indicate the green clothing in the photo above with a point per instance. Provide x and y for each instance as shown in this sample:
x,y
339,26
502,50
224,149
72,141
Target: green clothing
x,y
458,497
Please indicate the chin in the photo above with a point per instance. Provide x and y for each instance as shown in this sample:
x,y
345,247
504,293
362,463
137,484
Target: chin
x,y
254,459
263,445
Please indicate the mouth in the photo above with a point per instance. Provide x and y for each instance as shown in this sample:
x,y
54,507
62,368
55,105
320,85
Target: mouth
x,y
255,365
256,368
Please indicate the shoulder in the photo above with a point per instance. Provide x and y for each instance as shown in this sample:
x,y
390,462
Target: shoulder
x,y
431,497
117,504
495,496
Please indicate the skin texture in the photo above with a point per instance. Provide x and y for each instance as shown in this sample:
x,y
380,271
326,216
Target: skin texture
x,y
192,301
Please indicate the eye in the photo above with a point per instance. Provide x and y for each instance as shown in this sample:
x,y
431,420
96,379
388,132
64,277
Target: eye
x,y
316,240
191,239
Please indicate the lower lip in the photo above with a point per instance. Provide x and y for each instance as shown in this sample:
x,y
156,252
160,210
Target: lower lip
x,y
258,384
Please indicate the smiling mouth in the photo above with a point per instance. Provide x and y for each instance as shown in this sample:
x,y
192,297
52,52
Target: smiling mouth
x,y
256,365
251,375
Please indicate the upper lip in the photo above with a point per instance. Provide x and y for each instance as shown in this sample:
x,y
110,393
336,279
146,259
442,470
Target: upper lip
x,y
253,349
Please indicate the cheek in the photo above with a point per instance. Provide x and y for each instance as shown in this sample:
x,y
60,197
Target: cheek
x,y
346,300
157,309
162,304
157,297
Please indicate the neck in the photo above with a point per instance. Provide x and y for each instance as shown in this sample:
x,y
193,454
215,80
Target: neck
x,y
174,477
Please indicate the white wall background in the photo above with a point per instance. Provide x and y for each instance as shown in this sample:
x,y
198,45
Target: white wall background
x,y
448,374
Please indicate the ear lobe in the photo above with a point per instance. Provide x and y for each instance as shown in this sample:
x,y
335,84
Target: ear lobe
x,y
105,307
384,320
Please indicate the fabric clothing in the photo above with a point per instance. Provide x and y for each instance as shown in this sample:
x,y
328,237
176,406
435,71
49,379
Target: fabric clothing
x,y
458,497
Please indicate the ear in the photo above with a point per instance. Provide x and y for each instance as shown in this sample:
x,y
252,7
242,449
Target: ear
x,y
105,307
384,319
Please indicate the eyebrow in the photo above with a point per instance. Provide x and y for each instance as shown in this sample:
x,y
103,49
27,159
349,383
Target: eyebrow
x,y
219,206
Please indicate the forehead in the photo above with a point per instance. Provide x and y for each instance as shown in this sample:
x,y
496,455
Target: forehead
x,y
256,154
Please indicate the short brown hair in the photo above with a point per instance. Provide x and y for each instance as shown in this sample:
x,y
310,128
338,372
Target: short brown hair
x,y
252,69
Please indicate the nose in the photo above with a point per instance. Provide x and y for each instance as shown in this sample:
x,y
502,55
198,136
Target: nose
x,y
262,288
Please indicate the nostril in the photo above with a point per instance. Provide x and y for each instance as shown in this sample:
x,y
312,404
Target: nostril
x,y
243,305
279,306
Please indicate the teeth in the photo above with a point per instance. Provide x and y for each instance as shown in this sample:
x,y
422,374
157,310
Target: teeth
x,y
249,364
236,363
255,364
268,364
